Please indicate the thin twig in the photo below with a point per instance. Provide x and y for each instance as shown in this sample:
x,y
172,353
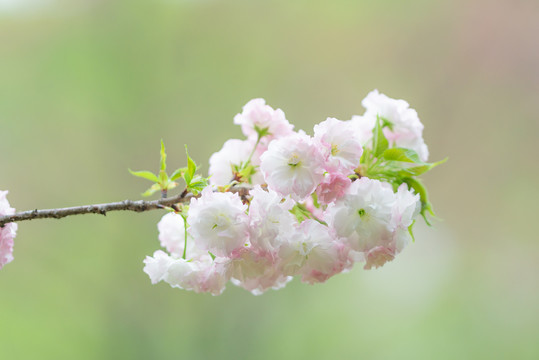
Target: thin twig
x,y
103,209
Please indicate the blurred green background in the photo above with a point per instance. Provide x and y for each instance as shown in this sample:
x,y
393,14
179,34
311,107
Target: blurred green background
x,y
88,88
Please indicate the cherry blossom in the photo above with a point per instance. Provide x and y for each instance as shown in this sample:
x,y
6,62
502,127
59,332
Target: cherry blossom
x,y
293,165
310,210
342,145
7,233
218,222
404,127
258,117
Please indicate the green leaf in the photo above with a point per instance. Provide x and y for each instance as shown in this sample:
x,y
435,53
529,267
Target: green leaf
x,y
300,214
365,156
154,188
198,183
191,166
419,188
187,178
163,156
177,174
145,175
315,200
379,140
387,123
246,173
163,178
410,230
415,171
419,170
199,180
184,210
402,154
262,132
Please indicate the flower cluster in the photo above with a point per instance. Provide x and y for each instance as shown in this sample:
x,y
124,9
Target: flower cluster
x,y
7,233
282,203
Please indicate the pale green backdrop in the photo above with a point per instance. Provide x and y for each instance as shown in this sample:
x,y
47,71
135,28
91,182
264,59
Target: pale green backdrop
x,y
88,88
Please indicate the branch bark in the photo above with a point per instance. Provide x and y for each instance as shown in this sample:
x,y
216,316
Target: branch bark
x,y
103,209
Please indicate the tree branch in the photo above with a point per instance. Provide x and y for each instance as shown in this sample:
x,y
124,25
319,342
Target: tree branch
x,y
103,209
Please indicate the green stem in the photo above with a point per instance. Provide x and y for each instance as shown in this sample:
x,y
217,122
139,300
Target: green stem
x,y
246,163
185,235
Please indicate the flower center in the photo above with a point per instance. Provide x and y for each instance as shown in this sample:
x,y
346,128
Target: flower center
x,y
334,150
221,221
294,160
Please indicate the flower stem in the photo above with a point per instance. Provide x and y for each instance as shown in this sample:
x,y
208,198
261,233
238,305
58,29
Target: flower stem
x,y
248,161
185,235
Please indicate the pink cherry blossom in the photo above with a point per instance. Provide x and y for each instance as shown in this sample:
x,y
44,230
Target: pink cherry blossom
x,y
378,256
363,213
385,247
233,153
342,143
270,218
172,235
202,275
332,188
257,115
318,212
7,233
406,208
314,253
157,266
293,165
406,129
363,127
257,270
304,216
218,222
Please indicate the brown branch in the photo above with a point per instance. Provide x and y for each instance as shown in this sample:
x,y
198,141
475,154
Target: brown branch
x,y
103,209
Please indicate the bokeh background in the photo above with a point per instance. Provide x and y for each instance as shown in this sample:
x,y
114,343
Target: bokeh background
x,y
88,88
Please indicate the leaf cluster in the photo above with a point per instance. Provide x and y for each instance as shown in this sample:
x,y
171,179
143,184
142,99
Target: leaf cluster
x,y
396,165
163,182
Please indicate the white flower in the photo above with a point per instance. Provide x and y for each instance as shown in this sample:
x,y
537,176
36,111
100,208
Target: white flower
x,y
257,115
257,270
332,188
406,129
363,126
393,240
270,218
342,143
385,247
233,153
202,275
218,222
406,208
7,233
157,266
378,256
374,220
172,235
293,166
313,252
363,213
